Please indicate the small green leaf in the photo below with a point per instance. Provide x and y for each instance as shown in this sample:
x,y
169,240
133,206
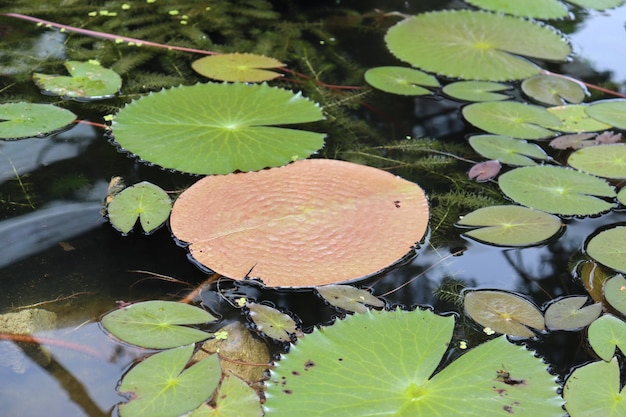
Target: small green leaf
x,y
476,90
510,225
621,196
597,4
553,90
161,386
512,119
87,81
609,248
26,120
574,119
157,324
615,293
238,67
606,334
594,390
569,314
503,312
218,128
538,9
612,112
608,161
234,398
144,201
506,149
273,323
349,298
557,190
401,80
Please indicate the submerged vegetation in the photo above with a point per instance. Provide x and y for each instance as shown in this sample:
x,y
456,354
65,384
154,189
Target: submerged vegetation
x,y
135,74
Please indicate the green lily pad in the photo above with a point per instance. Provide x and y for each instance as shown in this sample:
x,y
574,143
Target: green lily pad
x,y
615,292
621,196
510,225
606,334
157,324
609,248
513,119
503,312
382,364
594,390
612,112
401,80
553,90
506,149
237,67
574,119
218,128
538,9
349,298
271,322
144,201
597,4
162,386
557,190
476,91
608,161
474,45
27,120
235,398
87,81
568,313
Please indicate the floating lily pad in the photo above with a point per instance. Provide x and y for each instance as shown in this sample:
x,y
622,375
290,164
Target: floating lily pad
x,y
573,141
513,119
474,45
401,80
621,196
606,334
594,390
615,293
382,364
538,9
144,201
592,276
510,225
608,161
506,149
476,91
611,112
557,190
235,398
238,67
349,298
609,248
574,119
218,128
157,324
569,314
162,386
553,90
484,171
27,120
503,312
87,81
597,4
270,223
271,322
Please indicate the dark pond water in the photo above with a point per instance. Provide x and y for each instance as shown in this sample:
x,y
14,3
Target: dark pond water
x,y
58,253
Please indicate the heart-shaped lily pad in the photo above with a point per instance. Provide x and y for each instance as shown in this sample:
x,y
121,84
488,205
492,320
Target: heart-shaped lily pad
x,y
503,312
615,292
609,248
538,9
349,298
611,112
218,128
568,313
271,322
476,91
510,225
235,398
157,324
27,120
553,90
557,190
271,223
401,80
474,45
238,67
87,81
144,201
606,334
507,150
608,161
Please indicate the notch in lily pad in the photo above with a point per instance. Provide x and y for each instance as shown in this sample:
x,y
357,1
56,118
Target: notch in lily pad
x,y
26,120
570,313
87,81
401,80
144,201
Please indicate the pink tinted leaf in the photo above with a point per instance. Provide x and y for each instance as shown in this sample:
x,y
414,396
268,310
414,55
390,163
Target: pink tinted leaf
x,y
484,171
608,137
575,141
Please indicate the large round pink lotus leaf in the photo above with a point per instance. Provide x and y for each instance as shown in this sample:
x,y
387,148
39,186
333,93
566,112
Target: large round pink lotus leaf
x,y
310,223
